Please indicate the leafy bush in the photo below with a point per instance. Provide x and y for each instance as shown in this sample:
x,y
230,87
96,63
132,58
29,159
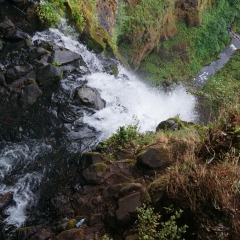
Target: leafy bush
x,y
150,228
47,14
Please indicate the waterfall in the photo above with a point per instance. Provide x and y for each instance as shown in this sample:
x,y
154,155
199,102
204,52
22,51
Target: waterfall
x,y
128,99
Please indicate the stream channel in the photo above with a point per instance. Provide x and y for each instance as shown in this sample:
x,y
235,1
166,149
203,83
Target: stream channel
x,y
41,165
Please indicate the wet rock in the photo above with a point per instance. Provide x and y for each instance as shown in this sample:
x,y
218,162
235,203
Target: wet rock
x,y
49,74
89,158
1,45
131,187
38,52
127,208
169,124
89,97
29,95
6,200
16,72
2,79
112,69
154,157
69,114
10,32
63,57
94,175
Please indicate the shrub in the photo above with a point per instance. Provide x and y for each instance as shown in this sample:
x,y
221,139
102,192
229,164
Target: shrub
x,y
47,14
150,228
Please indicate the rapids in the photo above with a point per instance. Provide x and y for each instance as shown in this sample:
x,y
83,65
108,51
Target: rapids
x,y
27,166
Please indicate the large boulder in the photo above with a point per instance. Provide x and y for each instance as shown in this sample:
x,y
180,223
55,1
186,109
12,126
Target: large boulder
x,y
29,95
94,174
10,32
154,157
89,97
89,158
169,124
49,74
127,208
17,72
64,56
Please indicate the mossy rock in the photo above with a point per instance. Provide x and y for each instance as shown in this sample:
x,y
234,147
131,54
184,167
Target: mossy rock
x,y
155,157
71,224
99,167
157,188
94,46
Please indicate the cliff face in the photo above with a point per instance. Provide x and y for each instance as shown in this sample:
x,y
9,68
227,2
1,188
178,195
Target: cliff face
x,y
140,24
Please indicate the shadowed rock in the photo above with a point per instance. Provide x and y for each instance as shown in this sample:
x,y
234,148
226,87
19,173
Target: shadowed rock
x,y
49,74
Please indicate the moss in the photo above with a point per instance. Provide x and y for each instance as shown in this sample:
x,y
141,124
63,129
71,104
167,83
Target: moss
x,y
99,167
157,187
1,45
145,196
71,224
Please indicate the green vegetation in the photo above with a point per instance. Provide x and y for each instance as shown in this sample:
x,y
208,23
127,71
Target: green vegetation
x,y
151,228
46,12
182,56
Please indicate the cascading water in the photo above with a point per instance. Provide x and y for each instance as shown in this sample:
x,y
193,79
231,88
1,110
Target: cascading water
x,y
126,97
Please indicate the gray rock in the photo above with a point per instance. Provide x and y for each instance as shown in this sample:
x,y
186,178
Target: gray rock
x,y
5,26
17,72
65,56
37,53
49,74
9,31
89,158
91,176
127,208
89,97
169,124
154,157
29,95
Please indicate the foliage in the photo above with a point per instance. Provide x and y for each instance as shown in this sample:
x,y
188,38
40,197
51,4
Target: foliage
x,y
150,228
56,63
106,238
123,135
185,54
47,13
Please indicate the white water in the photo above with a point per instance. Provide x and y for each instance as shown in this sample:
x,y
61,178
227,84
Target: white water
x,y
14,160
126,96
127,99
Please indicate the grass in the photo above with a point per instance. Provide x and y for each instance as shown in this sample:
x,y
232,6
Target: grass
x,y
181,57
